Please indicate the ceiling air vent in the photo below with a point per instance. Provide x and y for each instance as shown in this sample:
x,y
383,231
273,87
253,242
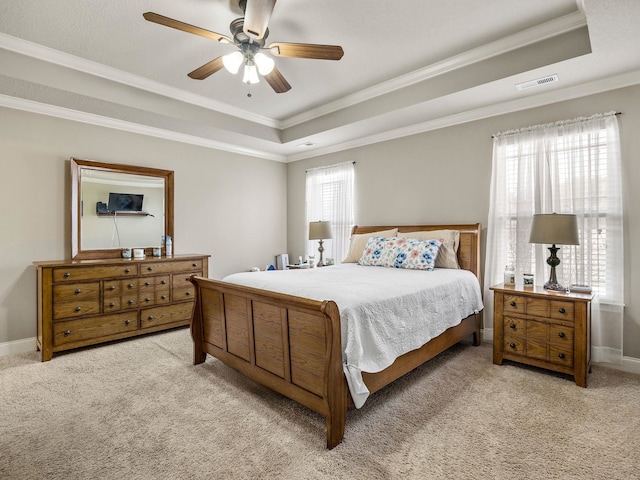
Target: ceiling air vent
x,y
538,82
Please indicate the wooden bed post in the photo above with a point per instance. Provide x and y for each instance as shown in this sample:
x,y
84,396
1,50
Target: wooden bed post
x,y
197,334
335,386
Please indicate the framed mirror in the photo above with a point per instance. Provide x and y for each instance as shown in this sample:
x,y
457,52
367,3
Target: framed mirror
x,y
116,206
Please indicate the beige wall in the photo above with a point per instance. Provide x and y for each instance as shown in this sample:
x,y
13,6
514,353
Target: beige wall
x,y
443,176
221,201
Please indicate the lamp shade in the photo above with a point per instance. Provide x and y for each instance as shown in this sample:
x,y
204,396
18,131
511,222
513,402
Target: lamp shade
x,y
319,230
554,229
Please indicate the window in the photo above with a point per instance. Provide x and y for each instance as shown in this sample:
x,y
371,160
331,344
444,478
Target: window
x,y
567,167
330,193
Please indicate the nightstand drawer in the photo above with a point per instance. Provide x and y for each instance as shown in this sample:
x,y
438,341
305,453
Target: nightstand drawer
x,y
561,356
514,304
561,335
514,345
515,326
562,310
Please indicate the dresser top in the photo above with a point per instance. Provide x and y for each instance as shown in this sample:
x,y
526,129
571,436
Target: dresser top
x,y
538,291
118,261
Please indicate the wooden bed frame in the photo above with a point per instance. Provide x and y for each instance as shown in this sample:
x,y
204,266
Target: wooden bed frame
x,y
292,344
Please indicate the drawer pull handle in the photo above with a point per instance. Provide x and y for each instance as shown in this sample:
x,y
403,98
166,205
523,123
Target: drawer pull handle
x,y
147,299
150,317
163,282
147,284
188,293
78,309
127,321
513,325
127,270
513,304
561,334
112,287
561,355
194,265
67,332
78,290
164,297
512,345
112,304
562,310
67,274
150,268
130,302
130,285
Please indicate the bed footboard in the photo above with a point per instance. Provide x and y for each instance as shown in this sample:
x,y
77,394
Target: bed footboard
x,y
289,344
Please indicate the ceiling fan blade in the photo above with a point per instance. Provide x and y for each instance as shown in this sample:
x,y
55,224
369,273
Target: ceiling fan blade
x,y
207,69
185,27
277,81
306,50
256,17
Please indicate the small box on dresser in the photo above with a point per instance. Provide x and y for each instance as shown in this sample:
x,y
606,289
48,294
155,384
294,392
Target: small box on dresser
x,y
88,302
543,328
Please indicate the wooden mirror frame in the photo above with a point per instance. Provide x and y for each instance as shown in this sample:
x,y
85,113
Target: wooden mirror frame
x,y
77,253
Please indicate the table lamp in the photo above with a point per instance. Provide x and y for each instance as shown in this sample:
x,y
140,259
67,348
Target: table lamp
x,y
554,229
320,231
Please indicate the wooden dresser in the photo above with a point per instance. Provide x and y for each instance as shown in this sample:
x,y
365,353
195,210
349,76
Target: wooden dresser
x,y
87,302
543,328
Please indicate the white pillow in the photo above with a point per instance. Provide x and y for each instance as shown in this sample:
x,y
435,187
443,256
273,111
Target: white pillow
x,y
448,253
359,241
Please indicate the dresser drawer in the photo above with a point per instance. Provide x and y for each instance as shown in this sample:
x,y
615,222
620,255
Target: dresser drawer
x,y
94,327
561,335
68,274
75,292
153,317
78,308
171,267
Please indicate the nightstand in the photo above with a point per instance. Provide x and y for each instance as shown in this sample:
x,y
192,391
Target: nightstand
x,y
543,328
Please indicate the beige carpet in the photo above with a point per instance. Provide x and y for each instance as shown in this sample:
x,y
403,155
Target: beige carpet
x,y
140,410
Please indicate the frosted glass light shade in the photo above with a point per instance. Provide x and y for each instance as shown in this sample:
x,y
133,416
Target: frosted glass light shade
x,y
264,63
250,74
232,62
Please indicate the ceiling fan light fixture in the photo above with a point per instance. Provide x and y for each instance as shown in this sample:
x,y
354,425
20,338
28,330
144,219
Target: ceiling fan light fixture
x,y
250,73
233,61
264,63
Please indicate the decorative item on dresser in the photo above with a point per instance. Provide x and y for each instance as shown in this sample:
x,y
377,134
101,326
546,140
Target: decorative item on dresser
x,y
87,302
543,328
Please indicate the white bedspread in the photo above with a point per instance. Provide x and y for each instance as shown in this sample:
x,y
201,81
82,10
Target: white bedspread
x,y
385,312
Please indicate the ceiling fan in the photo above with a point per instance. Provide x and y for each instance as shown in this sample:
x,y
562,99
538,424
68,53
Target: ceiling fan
x,y
249,34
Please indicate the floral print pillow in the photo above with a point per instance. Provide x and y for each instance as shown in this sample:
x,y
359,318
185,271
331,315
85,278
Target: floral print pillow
x,y
400,253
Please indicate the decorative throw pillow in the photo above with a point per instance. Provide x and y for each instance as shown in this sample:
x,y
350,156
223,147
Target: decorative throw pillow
x,y
359,241
400,253
448,253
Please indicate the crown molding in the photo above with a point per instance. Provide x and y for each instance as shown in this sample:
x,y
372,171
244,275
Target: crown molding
x,y
73,62
546,98
101,121
538,33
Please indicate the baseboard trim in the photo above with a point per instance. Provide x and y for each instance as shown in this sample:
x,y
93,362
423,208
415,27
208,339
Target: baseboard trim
x,y
18,346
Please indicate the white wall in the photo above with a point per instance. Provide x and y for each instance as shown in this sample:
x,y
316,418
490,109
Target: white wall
x,y
229,206
443,176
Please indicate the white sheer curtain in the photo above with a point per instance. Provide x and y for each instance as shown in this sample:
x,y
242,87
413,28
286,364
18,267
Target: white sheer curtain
x,y
573,167
330,197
